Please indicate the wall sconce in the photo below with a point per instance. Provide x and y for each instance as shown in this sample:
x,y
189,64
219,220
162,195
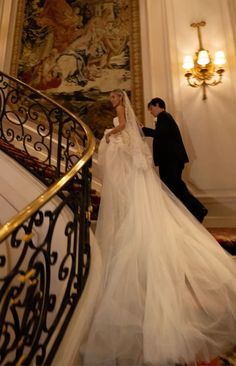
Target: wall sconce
x,y
201,69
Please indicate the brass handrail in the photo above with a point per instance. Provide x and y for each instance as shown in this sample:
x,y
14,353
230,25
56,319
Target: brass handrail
x,y
44,280
42,199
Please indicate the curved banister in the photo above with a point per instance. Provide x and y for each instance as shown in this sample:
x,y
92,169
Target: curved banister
x,y
44,96
46,278
35,205
24,214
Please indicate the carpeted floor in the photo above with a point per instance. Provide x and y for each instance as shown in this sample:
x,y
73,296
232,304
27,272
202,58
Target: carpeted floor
x,y
226,237
226,359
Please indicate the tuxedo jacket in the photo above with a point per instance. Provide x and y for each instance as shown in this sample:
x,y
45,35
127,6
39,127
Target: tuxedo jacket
x,y
168,145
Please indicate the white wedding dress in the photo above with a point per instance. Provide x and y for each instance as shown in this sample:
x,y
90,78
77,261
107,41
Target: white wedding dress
x,y
168,293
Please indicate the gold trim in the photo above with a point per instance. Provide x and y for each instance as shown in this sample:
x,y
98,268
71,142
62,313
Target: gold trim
x,y
88,213
40,201
17,35
27,275
27,237
21,360
136,61
15,301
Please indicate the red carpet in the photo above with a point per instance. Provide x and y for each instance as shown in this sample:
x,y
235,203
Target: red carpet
x,y
215,362
226,237
226,359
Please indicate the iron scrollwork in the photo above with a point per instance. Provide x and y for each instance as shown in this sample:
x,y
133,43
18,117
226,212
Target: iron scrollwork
x,y
42,277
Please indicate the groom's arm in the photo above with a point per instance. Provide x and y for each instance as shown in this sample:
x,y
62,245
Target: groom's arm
x,y
150,132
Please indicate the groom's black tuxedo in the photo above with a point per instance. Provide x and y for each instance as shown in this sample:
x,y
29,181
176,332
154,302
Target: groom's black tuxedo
x,y
167,141
170,155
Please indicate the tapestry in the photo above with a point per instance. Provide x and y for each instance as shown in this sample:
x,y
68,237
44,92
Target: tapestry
x,y
77,51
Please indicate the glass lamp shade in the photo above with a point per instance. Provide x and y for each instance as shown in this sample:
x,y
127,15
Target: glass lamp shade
x,y
188,63
203,58
219,59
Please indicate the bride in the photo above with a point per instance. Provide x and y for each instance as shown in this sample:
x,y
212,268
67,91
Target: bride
x,y
168,293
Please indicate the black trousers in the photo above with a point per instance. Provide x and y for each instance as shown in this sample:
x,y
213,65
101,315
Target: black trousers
x,y
171,175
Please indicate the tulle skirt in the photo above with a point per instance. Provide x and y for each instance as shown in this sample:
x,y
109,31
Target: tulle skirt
x,y
168,293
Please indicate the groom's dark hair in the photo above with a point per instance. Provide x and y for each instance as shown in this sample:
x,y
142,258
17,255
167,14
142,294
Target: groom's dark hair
x,y
156,101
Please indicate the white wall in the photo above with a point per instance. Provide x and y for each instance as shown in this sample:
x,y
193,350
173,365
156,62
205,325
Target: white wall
x,y
208,127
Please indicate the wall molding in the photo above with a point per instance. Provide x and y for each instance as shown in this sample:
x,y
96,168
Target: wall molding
x,y
232,13
8,12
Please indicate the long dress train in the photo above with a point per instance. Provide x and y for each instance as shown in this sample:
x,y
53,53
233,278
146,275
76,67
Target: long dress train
x,y
168,293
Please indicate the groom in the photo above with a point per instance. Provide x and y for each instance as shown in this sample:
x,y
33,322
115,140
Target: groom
x,y
170,155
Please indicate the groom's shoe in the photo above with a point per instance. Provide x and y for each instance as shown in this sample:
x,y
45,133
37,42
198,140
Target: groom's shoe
x,y
203,213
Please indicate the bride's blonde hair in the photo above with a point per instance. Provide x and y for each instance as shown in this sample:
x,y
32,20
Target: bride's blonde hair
x,y
119,92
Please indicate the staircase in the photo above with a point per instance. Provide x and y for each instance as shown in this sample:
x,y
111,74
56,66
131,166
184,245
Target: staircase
x,y
54,147
47,174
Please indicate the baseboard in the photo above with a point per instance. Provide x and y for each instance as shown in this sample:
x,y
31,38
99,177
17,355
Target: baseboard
x,y
220,221
221,209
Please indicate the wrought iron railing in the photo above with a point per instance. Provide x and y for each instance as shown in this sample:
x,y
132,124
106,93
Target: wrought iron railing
x,y
44,249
